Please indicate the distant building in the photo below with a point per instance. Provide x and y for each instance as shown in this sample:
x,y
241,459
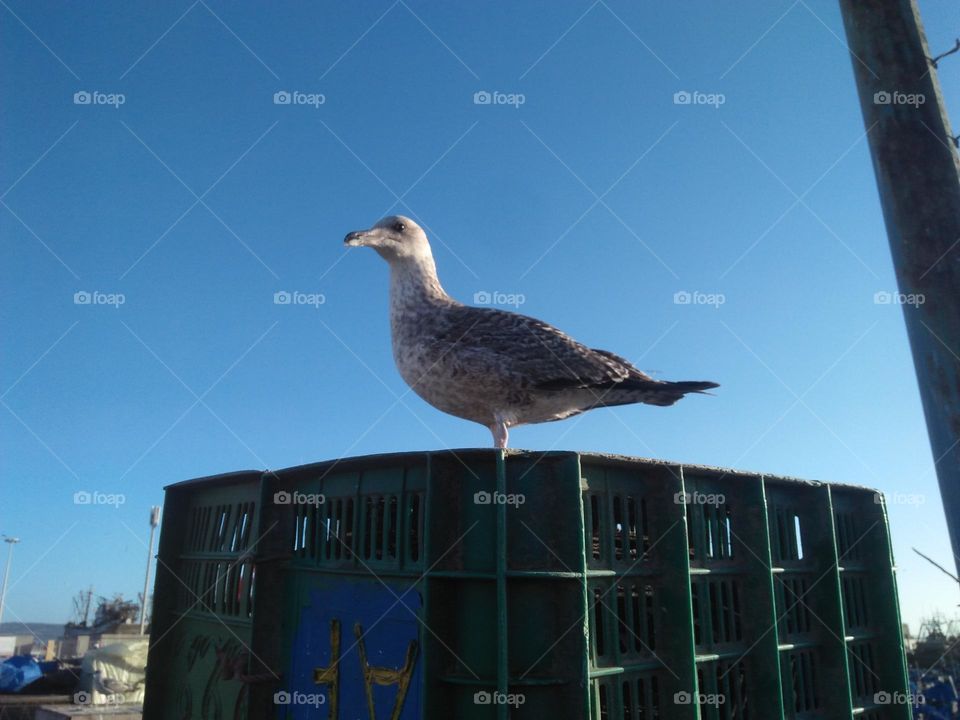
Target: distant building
x,y
15,645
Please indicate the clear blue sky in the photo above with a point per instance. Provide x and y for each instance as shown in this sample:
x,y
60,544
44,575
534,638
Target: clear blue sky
x,y
693,198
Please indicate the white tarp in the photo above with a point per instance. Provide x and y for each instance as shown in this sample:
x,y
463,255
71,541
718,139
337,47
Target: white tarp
x,y
115,674
8,645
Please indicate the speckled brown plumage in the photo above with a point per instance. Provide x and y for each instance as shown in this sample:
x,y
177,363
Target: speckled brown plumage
x,y
494,367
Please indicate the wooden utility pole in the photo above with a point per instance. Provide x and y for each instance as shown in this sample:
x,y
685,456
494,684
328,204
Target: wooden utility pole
x,y
918,176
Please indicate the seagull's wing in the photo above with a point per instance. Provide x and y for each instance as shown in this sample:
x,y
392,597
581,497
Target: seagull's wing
x,y
529,349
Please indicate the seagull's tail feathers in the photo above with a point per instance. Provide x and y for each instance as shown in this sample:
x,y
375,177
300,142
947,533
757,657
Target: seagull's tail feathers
x,y
655,392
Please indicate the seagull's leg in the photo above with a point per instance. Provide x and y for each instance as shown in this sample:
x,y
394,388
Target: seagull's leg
x,y
500,433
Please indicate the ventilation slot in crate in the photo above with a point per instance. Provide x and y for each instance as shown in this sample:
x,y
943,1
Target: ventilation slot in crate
x,y
234,589
623,614
802,667
792,605
220,528
198,528
630,538
330,534
598,623
594,527
335,531
635,618
637,697
716,612
787,537
855,606
641,698
379,527
710,529
223,587
851,544
190,571
303,539
723,691
862,665
415,527
622,518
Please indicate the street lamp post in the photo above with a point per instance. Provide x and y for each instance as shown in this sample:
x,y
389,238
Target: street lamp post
x,y
11,541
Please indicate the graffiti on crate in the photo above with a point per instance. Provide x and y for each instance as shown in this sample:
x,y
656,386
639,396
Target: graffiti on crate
x,y
330,675
199,645
386,676
372,675
229,663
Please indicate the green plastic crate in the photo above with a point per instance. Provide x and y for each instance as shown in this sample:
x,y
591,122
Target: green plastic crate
x,y
204,597
466,584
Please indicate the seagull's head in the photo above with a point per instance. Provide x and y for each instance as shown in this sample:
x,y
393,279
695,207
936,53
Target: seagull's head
x,y
395,237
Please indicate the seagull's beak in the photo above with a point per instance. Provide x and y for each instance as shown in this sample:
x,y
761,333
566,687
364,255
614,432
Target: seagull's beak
x,y
355,239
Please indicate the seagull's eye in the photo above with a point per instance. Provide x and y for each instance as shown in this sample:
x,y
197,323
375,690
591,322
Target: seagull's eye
x,y
399,227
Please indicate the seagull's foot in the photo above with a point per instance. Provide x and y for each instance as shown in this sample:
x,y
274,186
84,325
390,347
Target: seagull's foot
x,y
500,433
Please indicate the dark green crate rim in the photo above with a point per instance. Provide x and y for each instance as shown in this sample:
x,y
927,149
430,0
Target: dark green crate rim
x,y
834,497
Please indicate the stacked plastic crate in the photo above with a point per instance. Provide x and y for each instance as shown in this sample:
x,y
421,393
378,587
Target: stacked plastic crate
x,y
469,584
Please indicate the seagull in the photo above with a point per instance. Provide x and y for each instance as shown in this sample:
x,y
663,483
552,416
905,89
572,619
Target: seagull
x,y
490,366
113,686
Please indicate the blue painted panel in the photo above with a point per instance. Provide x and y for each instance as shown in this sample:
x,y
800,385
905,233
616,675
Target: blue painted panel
x,y
389,626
